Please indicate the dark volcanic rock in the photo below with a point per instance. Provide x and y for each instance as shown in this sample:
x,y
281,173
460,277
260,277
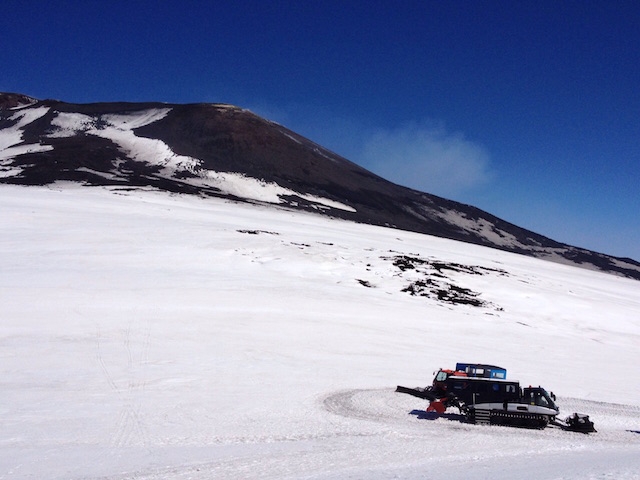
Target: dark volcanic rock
x,y
13,100
190,149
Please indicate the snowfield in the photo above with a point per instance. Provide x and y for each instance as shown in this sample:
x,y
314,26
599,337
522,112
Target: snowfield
x,y
147,336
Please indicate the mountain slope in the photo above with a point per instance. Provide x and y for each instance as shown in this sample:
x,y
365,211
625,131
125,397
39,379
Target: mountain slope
x,y
225,151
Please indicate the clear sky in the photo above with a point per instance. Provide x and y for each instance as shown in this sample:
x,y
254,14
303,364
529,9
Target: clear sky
x,y
529,110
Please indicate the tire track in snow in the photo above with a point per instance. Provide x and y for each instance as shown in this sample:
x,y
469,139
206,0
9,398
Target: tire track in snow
x,y
130,428
100,360
376,405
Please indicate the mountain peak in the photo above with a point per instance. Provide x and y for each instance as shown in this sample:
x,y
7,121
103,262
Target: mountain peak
x,y
15,100
226,151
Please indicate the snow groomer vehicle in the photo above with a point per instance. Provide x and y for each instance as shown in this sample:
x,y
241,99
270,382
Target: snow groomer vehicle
x,y
484,395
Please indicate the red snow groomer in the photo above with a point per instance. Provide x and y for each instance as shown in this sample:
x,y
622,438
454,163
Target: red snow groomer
x,y
483,395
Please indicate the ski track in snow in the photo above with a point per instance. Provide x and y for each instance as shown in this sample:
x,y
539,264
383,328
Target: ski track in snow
x,y
185,338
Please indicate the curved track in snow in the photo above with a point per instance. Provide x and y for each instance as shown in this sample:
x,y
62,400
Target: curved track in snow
x,y
385,406
616,424
376,405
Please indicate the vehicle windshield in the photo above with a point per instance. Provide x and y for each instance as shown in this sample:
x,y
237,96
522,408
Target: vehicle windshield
x,y
441,376
543,399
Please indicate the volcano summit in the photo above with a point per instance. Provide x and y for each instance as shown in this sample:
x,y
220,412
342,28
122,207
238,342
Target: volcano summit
x,y
224,151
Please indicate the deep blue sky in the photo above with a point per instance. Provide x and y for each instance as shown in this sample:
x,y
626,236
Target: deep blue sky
x,y
528,110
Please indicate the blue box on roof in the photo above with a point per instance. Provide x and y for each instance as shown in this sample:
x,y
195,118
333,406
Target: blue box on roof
x,y
482,370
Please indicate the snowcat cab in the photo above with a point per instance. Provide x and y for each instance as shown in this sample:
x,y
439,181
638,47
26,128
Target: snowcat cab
x,y
540,397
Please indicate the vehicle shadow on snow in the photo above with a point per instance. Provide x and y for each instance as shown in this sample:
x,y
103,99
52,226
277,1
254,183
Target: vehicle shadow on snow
x,y
424,415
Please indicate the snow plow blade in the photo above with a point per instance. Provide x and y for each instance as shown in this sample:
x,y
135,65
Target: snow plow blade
x,y
417,392
578,422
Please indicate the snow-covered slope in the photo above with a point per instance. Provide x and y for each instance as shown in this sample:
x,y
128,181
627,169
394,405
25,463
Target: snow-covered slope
x,y
151,336
228,152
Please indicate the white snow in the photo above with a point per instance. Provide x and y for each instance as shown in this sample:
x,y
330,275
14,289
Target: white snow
x,y
481,226
254,189
11,139
27,102
137,119
153,337
119,129
11,152
13,135
7,169
68,124
290,136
